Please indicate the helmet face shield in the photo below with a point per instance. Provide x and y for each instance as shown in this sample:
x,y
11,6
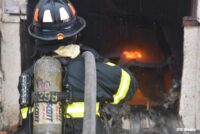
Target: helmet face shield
x,y
55,20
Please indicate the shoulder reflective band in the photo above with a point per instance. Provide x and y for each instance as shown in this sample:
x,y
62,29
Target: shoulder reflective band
x,y
24,112
110,64
123,87
76,110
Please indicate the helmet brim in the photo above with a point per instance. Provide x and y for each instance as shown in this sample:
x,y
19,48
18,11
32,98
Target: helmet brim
x,y
68,32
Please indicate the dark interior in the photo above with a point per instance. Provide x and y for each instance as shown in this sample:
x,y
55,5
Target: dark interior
x,y
115,25
150,31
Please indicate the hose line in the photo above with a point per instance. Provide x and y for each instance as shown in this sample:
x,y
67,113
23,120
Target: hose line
x,y
89,121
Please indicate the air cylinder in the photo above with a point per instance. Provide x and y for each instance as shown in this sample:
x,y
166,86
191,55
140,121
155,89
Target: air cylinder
x,y
47,116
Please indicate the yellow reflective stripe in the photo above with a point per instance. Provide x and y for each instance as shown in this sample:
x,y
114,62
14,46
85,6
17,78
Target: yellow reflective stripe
x,y
32,110
24,112
110,64
76,110
123,87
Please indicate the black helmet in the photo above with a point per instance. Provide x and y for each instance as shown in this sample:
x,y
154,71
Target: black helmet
x,y
55,20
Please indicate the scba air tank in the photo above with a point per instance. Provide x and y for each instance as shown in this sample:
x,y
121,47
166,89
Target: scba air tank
x,y
47,116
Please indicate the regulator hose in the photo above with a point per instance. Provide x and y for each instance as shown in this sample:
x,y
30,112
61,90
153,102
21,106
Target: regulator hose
x,y
89,121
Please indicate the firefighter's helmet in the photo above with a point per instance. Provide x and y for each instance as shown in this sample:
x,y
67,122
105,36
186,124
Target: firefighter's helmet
x,y
55,20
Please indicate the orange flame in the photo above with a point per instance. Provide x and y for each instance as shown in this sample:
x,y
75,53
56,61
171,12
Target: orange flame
x,y
132,54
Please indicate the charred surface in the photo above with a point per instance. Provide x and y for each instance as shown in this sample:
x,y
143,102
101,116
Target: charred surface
x,y
138,120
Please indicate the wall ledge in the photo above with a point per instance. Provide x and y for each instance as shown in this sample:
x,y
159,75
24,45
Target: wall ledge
x,y
189,21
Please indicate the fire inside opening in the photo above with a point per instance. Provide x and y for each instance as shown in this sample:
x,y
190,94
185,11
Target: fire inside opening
x,y
144,36
145,57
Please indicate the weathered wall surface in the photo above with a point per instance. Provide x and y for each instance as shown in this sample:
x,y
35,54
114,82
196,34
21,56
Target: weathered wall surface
x,y
10,68
14,6
190,94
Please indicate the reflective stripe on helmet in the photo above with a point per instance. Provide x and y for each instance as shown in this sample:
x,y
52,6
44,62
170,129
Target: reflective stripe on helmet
x,y
72,8
24,112
123,87
63,14
47,16
36,14
76,110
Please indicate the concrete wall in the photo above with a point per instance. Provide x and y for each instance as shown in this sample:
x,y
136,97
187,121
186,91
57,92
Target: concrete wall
x,y
190,93
11,66
11,69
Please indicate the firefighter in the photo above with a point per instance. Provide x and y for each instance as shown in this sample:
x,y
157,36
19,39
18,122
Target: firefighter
x,y
56,29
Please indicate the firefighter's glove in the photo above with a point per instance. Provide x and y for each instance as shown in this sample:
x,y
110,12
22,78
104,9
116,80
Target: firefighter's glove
x,y
72,51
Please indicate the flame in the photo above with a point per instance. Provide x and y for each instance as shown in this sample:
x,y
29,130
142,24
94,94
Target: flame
x,y
132,54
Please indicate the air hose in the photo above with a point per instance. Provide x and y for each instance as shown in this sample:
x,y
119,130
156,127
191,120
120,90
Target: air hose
x,y
89,121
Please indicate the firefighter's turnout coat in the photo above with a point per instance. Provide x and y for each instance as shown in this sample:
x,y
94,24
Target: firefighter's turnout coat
x,y
114,86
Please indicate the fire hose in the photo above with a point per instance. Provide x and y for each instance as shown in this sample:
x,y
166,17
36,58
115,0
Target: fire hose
x,y
89,122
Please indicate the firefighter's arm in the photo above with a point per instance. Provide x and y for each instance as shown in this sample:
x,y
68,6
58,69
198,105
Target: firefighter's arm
x,y
126,87
25,89
133,86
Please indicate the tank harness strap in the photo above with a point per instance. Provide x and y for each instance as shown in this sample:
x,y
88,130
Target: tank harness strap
x,y
51,97
76,110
